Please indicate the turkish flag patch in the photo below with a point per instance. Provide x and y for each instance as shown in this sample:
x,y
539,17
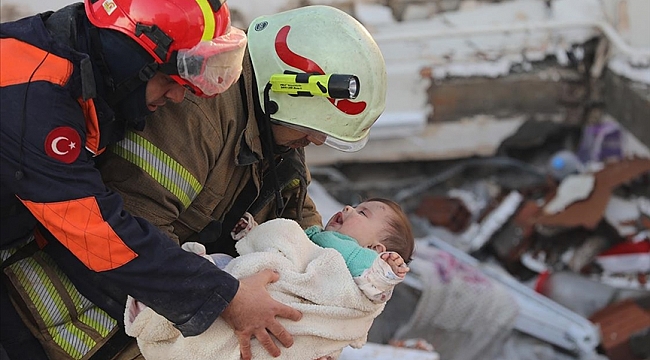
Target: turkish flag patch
x,y
63,144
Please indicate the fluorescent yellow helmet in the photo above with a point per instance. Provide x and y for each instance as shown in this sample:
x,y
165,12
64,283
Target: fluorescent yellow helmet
x,y
322,71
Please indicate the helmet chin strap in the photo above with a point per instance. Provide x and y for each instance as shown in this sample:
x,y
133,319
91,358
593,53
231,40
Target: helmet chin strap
x,y
268,145
128,86
107,50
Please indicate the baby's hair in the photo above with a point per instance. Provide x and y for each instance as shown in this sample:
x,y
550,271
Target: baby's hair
x,y
399,236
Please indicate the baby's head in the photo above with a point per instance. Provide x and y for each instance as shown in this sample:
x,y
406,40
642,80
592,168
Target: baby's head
x,y
378,224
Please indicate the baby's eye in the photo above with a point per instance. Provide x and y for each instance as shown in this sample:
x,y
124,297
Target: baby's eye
x,y
362,212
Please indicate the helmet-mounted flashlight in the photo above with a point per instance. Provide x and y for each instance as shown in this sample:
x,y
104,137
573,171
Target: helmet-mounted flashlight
x,y
335,86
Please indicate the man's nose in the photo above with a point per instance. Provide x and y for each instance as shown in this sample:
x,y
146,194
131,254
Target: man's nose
x,y
176,94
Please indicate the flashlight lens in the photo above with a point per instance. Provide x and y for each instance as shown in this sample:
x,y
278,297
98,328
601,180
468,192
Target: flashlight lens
x,y
353,87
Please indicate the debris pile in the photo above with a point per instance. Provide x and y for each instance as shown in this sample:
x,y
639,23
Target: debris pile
x,y
566,232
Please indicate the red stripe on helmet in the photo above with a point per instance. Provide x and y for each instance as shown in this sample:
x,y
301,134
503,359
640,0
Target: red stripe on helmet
x,y
309,66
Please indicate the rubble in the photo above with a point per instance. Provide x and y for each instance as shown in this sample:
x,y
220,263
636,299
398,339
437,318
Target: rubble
x,y
590,212
563,248
625,326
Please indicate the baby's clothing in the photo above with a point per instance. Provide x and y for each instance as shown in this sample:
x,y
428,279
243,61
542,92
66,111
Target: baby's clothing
x,y
370,272
358,259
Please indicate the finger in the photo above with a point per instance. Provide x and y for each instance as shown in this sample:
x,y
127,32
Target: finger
x,y
267,342
269,276
287,312
281,334
245,346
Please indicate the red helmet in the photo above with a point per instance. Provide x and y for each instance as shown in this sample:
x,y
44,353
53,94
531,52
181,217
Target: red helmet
x,y
183,35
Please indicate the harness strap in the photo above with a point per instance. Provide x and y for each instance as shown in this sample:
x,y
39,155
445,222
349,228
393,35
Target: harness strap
x,y
22,252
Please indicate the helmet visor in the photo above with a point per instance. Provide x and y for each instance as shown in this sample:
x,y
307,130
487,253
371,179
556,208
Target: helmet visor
x,y
322,138
213,66
346,146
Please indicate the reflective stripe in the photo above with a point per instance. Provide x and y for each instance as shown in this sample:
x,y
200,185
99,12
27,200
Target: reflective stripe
x,y
160,166
89,314
294,183
208,20
97,319
45,293
5,254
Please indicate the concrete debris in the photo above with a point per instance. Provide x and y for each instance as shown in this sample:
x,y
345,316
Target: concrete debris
x,y
580,241
589,212
622,214
496,219
573,188
626,257
624,326
447,212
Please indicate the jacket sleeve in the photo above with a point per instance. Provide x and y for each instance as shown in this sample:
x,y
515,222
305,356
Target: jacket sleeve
x,y
123,252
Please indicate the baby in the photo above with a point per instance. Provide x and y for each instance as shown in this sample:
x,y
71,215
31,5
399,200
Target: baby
x,y
338,277
374,238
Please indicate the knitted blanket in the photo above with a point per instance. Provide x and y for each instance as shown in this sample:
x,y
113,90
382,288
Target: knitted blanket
x,y
313,280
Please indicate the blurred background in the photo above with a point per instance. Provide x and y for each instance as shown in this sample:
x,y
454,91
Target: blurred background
x,y
516,136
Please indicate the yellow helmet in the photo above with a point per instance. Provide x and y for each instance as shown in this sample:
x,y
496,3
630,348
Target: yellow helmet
x,y
320,69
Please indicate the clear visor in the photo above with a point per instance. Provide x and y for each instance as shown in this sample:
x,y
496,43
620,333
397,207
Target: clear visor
x,y
213,66
319,138
346,146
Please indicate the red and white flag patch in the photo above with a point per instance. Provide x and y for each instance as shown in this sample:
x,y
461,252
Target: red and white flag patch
x,y
63,144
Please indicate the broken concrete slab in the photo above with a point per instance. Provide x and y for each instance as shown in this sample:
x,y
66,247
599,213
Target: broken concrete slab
x,y
588,213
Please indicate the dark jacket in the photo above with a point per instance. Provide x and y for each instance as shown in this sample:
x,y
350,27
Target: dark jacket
x,y
52,126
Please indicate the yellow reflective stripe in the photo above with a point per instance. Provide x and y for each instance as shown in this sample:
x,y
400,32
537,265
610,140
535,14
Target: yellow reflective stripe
x,y
64,336
292,185
89,314
79,301
208,20
98,320
160,166
47,304
77,342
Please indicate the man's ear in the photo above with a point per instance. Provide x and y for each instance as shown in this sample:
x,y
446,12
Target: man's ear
x,y
379,248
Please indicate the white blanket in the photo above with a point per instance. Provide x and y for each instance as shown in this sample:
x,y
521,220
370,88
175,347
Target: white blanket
x,y
313,280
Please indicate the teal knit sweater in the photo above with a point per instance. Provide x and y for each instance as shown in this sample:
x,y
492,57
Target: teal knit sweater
x,y
357,258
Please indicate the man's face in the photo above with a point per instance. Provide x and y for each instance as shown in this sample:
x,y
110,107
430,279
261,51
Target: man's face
x,y
161,88
293,138
365,223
